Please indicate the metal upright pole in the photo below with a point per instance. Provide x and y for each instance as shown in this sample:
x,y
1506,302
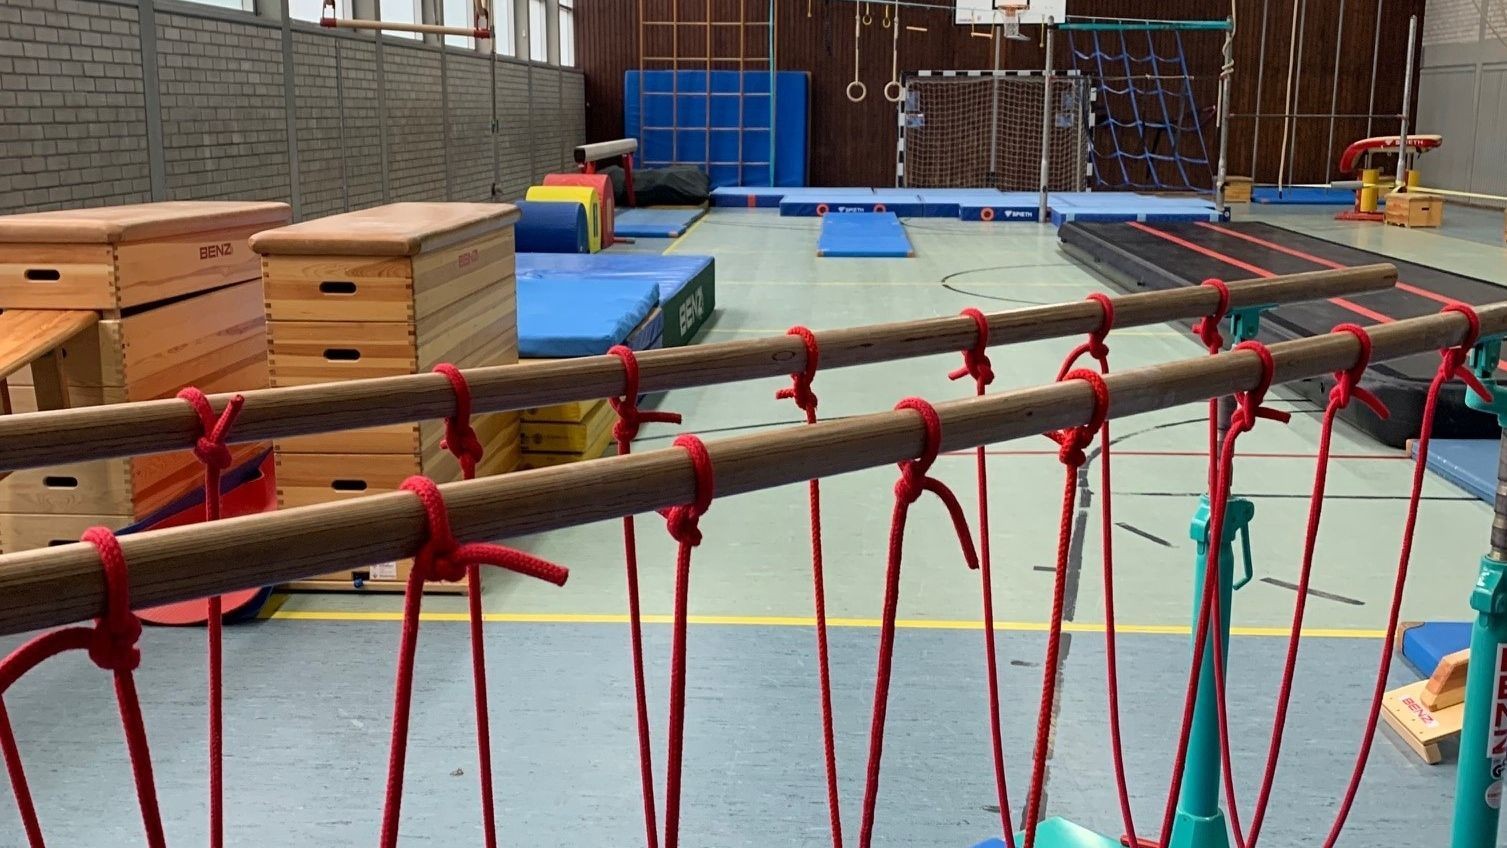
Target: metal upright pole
x,y
1334,93
1375,59
994,81
1297,92
1226,72
1046,120
1407,102
1260,78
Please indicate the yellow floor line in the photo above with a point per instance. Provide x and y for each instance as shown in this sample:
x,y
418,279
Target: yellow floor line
x,y
674,245
801,621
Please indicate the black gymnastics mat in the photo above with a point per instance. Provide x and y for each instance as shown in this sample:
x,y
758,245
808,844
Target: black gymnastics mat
x,y
1136,257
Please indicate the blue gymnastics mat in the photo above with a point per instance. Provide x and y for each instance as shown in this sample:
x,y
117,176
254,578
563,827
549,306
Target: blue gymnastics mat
x,y
687,283
660,222
1424,645
1001,206
863,234
1303,196
1470,464
1114,207
579,317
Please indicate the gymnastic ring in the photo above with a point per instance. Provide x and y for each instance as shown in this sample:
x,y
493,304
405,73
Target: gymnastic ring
x,y
900,91
879,207
821,209
986,214
863,91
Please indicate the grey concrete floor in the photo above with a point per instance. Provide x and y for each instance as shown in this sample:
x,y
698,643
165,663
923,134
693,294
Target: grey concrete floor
x,y
310,698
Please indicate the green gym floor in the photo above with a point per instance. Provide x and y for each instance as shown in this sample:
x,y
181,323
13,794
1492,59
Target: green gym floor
x,y
310,686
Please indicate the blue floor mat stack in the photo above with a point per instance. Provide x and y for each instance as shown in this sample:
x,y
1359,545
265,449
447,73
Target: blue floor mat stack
x,y
970,204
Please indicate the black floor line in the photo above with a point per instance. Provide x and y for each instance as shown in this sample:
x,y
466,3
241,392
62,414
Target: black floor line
x,y
1317,593
1150,537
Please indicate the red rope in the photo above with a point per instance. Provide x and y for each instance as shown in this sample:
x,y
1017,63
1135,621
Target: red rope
x,y
1071,443
1249,408
915,480
214,454
112,645
683,522
1207,329
805,400
441,558
1451,365
976,364
629,419
460,438
1346,388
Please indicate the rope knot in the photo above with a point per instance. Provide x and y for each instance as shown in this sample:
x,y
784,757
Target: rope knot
x,y
1250,404
442,558
113,641
460,437
211,448
915,477
683,521
800,388
1072,441
976,362
1207,327
1347,382
1095,347
629,417
1454,358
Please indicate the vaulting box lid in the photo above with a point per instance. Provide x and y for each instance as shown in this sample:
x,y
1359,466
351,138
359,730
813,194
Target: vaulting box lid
x,y
397,229
138,222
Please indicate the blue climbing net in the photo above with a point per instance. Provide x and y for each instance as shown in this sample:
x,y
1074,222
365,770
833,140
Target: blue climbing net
x,y
1148,125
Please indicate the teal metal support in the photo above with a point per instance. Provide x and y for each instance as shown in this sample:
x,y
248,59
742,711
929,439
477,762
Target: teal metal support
x,y
1483,738
1142,26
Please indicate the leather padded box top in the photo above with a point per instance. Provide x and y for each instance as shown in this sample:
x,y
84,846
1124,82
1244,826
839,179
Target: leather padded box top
x,y
137,222
397,229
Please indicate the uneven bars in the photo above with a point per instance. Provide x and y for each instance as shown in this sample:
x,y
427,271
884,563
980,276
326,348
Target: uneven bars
x,y
394,26
63,584
40,439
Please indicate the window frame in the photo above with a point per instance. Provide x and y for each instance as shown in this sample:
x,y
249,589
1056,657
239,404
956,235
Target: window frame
x,y
566,12
542,29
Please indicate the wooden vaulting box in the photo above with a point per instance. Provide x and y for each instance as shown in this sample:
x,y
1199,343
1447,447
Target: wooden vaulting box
x,y
177,296
382,292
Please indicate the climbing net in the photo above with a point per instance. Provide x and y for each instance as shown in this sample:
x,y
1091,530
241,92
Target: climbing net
x,y
1155,123
112,642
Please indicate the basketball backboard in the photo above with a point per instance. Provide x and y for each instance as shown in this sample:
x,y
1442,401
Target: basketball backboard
x,y
983,13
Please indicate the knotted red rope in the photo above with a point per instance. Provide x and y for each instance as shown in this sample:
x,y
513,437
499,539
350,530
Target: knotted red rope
x,y
684,524
976,364
1249,407
112,645
442,558
1346,388
1071,444
214,454
460,437
805,400
624,431
915,480
1451,366
1207,329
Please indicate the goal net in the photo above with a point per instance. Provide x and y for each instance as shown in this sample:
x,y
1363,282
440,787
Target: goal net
x,y
983,130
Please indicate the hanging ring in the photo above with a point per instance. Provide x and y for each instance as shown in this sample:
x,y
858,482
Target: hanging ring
x,y
899,90
863,91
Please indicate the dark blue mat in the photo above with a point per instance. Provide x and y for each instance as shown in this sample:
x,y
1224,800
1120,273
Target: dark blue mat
x,y
1424,645
863,234
1470,464
1303,196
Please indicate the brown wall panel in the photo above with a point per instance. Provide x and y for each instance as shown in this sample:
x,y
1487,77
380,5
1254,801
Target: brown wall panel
x,y
854,143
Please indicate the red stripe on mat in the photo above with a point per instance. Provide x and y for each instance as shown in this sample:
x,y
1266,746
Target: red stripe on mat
x,y
1399,456
1257,270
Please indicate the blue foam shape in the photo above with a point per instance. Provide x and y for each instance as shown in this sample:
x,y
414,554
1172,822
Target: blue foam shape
x,y
1470,464
1426,644
670,272
551,227
1303,196
662,222
863,234
760,197
700,137
579,317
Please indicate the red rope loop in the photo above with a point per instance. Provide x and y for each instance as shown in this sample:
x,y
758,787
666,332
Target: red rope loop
x,y
1454,357
1347,382
112,644
1249,404
800,388
1207,327
1094,348
683,520
915,478
460,437
443,558
1072,440
210,448
976,362
629,417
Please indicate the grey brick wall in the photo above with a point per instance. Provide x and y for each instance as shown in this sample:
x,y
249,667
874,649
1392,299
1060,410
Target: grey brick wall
x,y
72,114
224,128
75,129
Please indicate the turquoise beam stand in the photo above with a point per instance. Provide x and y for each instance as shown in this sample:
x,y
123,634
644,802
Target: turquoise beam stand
x,y
1483,739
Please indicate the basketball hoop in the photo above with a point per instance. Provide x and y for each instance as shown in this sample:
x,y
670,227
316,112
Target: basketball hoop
x,y
1010,10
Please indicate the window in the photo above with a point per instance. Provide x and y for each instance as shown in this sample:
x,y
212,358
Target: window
x,y
502,21
567,33
241,5
459,13
313,10
538,30
400,12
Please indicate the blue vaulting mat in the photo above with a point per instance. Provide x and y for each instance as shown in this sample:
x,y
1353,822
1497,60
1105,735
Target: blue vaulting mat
x,y
1470,464
873,234
585,316
658,222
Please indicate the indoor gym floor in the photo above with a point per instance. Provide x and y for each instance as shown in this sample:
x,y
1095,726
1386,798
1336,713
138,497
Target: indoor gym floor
x,y
309,689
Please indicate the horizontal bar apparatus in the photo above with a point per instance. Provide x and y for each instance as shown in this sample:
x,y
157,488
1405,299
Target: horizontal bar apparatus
x,y
395,26
40,439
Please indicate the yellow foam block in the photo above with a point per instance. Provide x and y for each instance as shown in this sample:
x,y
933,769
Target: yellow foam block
x,y
566,437
572,413
587,197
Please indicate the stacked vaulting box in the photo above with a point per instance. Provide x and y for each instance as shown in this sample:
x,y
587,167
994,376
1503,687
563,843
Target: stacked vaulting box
x,y
386,291
567,432
179,303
